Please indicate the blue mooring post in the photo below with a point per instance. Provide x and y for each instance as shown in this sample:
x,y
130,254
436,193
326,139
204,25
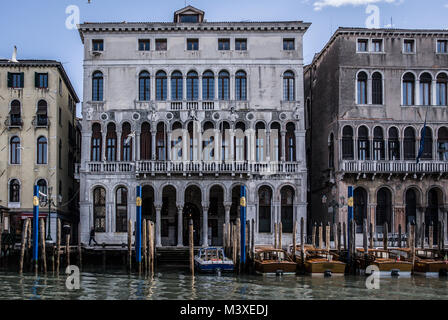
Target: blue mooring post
x,y
349,217
243,204
36,226
138,231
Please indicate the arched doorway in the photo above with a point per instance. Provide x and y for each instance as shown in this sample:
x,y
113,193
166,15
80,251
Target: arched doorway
x,y
168,215
287,209
411,207
216,215
383,210
435,199
235,208
148,209
192,210
359,208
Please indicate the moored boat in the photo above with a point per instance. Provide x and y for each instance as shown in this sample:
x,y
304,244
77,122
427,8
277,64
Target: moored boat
x,y
212,260
323,262
388,263
274,261
429,263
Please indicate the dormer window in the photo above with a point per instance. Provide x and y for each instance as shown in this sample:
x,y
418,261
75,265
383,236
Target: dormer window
x,y
189,18
189,14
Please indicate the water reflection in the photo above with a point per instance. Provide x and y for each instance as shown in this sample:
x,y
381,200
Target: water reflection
x,y
172,284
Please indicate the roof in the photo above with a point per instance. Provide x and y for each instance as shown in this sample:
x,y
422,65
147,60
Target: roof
x,y
253,26
378,32
43,63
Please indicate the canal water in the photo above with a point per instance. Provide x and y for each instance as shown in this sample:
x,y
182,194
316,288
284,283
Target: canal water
x,y
178,285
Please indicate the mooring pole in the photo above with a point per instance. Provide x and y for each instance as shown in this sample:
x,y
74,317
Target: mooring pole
x,y
349,215
138,231
36,227
243,204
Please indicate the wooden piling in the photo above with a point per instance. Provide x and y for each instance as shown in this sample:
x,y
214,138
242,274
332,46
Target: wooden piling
x,y
294,231
327,237
67,249
58,246
253,240
371,235
104,259
80,255
42,240
22,248
353,234
412,244
335,236
431,236
439,236
344,231
364,236
144,248
191,243
320,236
313,235
224,237
248,240
408,235
280,234
302,239
275,235
385,235
339,231
238,239
234,245
130,245
399,236
152,246
422,235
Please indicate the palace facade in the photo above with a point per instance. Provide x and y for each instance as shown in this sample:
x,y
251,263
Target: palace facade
x,y
192,110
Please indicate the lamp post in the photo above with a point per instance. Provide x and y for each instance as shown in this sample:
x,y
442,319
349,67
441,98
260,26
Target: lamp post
x,y
47,200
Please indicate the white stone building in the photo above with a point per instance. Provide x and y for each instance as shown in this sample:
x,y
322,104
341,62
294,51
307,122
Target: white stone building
x,y
144,81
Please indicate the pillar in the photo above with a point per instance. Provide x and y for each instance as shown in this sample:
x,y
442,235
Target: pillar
x,y
205,226
153,145
158,225
137,146
118,145
283,154
227,206
180,209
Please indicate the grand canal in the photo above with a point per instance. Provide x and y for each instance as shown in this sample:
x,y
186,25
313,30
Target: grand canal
x,y
179,285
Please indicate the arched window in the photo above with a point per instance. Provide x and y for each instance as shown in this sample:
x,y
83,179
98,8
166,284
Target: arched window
x,y
359,207
409,144
240,143
192,86
241,85
161,86
160,142
144,85
425,89
224,85
260,138
208,142
42,184
111,143
363,144
287,209
362,88
288,86
208,86
442,81
145,142
42,113
290,142
378,144
14,191
15,113
264,209
126,142
97,86
443,144
411,207
97,142
427,147
276,142
383,209
408,89
394,144
331,151
177,86
377,88
41,150
99,209
347,143
14,146
121,210
225,136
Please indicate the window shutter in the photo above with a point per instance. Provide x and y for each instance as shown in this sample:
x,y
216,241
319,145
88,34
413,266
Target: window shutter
x,y
9,80
36,80
22,79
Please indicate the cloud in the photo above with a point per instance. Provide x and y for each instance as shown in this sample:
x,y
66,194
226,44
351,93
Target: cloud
x,y
320,4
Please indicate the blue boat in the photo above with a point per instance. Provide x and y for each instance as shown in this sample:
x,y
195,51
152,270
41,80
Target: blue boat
x,y
212,260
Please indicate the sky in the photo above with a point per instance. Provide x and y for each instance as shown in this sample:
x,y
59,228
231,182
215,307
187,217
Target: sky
x,y
38,27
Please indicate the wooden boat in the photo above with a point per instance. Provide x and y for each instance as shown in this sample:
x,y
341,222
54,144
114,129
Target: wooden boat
x,y
323,262
212,260
274,261
388,263
429,263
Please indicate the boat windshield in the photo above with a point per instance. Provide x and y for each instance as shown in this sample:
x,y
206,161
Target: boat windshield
x,y
272,255
212,255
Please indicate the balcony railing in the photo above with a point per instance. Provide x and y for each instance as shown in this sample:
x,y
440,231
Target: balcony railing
x,y
13,121
195,167
40,122
431,167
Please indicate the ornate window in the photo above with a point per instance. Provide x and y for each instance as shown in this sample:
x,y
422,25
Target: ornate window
x,y
126,142
378,144
97,142
287,209
144,85
99,209
14,191
442,81
42,113
383,209
145,142
161,86
208,86
41,150
224,85
363,144
408,89
97,86
111,143
347,143
427,147
121,210
15,113
240,142
377,88
192,86
160,142
176,86
241,85
425,89
290,143
289,86
409,144
394,144
14,145
264,209
443,144
362,88
42,186
260,139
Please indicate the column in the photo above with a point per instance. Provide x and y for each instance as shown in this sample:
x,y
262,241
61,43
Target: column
x,y
417,93
168,143
103,156
232,87
268,145
152,93
369,86
153,144
118,145
180,209
168,88
300,146
137,146
216,86
158,225
434,92
283,137
205,226
227,206
217,148
184,86
200,88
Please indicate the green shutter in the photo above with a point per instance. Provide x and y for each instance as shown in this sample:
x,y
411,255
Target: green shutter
x,y
22,79
9,80
36,80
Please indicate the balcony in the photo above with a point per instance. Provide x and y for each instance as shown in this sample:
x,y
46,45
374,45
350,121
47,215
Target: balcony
x,y
40,122
394,167
13,121
195,167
